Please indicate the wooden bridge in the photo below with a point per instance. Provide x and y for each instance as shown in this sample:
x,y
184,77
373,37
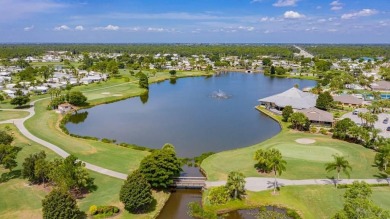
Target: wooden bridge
x,y
189,182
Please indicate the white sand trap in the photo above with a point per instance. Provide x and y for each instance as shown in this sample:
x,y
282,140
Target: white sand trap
x,y
305,141
105,93
117,95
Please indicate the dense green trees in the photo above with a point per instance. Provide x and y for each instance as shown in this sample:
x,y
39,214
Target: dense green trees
x,y
172,73
5,138
8,155
20,100
382,158
358,205
160,167
299,121
341,128
286,113
70,174
61,205
8,152
339,164
136,193
143,80
324,101
32,171
236,184
76,98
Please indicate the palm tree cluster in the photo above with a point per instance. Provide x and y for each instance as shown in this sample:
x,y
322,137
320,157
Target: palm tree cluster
x,y
270,160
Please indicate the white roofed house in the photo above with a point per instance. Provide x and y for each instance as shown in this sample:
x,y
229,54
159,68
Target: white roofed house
x,y
293,97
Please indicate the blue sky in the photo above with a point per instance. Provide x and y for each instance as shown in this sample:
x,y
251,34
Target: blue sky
x,y
196,21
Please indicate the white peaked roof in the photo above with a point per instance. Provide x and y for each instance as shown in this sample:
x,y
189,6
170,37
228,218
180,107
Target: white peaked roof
x,y
292,97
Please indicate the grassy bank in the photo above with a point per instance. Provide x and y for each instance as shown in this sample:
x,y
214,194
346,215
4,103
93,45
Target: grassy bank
x,y
312,202
303,161
6,115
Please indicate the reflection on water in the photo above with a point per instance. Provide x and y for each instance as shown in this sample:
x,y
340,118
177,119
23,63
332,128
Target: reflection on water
x,y
78,117
176,206
184,114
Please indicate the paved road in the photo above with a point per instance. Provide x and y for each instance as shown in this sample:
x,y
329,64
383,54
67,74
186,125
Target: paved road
x,y
252,183
19,123
303,52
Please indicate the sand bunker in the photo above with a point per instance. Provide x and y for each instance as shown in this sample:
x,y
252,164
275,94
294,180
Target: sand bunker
x,y
305,141
117,95
105,93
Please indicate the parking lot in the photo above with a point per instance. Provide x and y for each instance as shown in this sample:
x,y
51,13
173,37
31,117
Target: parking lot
x,y
378,125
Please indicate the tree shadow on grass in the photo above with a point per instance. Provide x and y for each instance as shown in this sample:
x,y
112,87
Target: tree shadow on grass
x,y
383,176
5,177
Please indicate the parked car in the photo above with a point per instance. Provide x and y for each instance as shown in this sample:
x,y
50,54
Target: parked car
x,y
385,121
355,112
388,128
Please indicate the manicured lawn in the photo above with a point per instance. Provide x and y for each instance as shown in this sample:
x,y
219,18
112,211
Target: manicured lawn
x,y
312,202
108,194
6,115
303,161
45,125
18,200
24,201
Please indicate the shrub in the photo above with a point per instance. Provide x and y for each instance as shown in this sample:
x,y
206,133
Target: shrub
x,y
92,210
196,211
286,113
60,204
218,195
313,129
323,131
293,214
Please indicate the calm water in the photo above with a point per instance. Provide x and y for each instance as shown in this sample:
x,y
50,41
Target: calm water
x,y
184,114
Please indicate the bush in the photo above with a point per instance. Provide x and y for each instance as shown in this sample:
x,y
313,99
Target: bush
x,y
286,113
106,140
293,214
196,211
60,204
92,210
76,98
313,129
218,195
323,131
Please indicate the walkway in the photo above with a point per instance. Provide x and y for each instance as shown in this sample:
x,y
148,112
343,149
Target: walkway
x,y
256,184
19,123
252,183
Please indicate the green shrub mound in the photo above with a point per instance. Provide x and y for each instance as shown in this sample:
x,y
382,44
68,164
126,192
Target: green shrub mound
x,y
103,211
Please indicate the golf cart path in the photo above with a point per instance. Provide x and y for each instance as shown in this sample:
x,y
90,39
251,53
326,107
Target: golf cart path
x,y
252,183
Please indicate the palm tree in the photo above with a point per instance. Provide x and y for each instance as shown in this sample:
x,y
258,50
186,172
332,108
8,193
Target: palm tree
x,y
339,164
383,157
277,164
236,184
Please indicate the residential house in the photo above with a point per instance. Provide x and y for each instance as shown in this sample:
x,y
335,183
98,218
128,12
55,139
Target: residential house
x,y
318,116
348,100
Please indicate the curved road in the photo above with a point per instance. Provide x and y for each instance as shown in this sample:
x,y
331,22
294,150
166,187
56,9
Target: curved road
x,y
252,183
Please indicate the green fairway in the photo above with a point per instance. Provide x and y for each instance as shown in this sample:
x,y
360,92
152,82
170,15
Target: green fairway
x,y
312,202
303,161
6,115
308,152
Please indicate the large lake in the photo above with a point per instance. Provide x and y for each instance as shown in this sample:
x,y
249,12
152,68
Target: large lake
x,y
185,114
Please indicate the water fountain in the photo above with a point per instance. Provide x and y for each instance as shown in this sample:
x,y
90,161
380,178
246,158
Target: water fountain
x,y
220,95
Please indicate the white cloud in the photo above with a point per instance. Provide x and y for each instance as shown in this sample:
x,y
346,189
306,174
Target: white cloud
x,y
362,13
154,29
28,28
267,31
62,27
108,27
293,15
285,3
336,5
246,28
256,1
265,19
80,28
